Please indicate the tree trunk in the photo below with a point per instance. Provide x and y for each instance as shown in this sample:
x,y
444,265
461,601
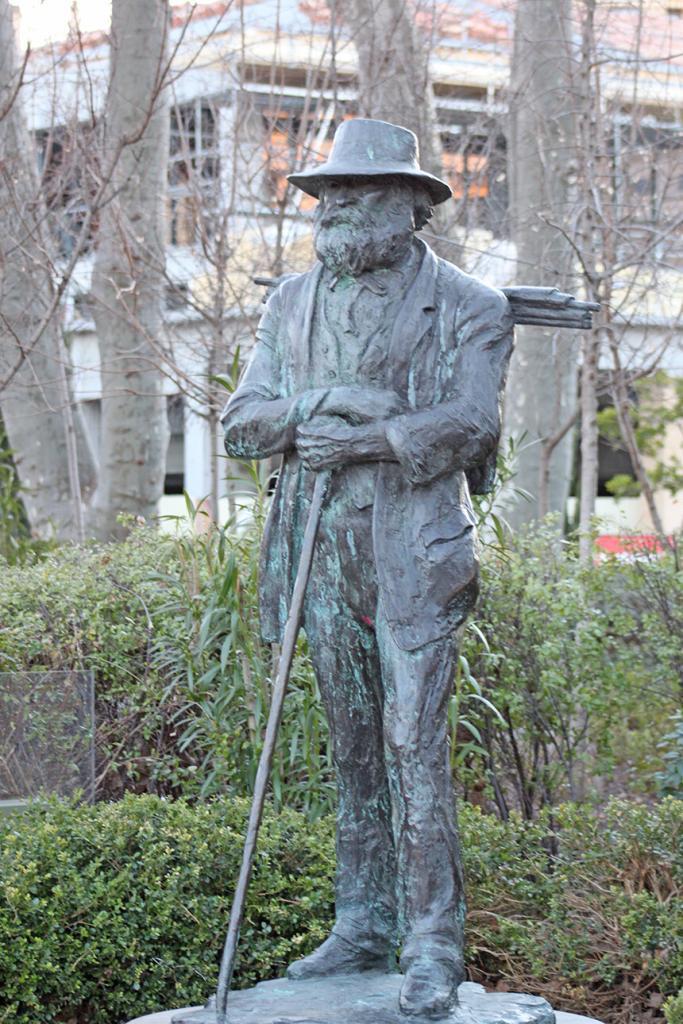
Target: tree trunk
x,y
128,272
42,428
541,392
589,440
594,247
394,84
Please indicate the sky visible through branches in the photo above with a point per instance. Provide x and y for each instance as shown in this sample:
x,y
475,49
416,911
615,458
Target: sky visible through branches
x,y
47,21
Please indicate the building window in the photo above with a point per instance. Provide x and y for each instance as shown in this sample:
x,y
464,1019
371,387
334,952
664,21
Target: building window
x,y
467,170
68,182
647,186
292,140
193,170
176,296
614,463
174,480
475,167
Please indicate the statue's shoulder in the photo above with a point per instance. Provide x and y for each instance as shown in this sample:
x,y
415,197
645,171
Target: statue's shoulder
x,y
291,286
468,294
469,287
284,288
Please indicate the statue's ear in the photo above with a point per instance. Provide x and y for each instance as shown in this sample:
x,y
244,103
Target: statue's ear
x,y
481,478
423,208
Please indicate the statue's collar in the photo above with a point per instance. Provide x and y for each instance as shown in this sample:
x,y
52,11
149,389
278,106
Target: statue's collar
x,y
423,290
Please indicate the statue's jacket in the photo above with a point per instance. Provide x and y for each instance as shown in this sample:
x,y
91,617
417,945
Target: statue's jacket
x,y
449,350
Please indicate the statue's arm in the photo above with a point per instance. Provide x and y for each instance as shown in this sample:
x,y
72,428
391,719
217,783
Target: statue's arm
x,y
258,420
461,431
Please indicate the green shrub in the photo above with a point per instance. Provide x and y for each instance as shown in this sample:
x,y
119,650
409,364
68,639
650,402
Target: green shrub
x,y
118,910
169,628
218,675
97,608
112,911
597,926
673,1009
585,665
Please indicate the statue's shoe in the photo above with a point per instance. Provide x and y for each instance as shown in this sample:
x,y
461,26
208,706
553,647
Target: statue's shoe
x,y
430,988
337,955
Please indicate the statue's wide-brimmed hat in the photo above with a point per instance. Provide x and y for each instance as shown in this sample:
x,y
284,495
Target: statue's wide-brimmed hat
x,y
369,148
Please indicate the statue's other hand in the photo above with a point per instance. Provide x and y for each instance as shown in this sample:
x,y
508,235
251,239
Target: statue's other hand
x,y
362,405
325,442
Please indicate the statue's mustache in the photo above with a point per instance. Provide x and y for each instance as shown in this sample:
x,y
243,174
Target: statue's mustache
x,y
342,216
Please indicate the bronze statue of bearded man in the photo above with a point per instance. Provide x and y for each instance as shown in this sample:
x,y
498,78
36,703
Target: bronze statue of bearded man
x,y
386,365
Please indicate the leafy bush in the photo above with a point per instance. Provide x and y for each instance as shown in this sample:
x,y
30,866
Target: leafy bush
x,y
595,927
585,666
658,406
108,912
218,674
169,627
673,1009
117,910
97,608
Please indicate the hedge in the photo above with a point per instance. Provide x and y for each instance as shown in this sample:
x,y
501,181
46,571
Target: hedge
x,y
112,911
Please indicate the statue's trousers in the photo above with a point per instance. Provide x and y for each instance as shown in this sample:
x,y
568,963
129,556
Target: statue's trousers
x,y
399,873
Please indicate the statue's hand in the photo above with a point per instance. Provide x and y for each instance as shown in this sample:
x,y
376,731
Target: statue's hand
x,y
324,442
362,405
327,442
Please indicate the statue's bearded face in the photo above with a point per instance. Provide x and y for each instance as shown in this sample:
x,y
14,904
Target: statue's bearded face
x,y
361,224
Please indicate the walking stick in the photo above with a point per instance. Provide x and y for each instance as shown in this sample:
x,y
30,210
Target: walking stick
x,y
266,759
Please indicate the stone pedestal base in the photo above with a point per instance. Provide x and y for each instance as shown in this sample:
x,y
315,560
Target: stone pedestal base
x,y
368,998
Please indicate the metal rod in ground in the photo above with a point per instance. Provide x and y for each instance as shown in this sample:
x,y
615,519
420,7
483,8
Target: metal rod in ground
x,y
266,760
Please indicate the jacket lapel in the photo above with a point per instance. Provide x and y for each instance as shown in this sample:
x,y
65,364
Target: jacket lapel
x,y
305,327
415,316
296,334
